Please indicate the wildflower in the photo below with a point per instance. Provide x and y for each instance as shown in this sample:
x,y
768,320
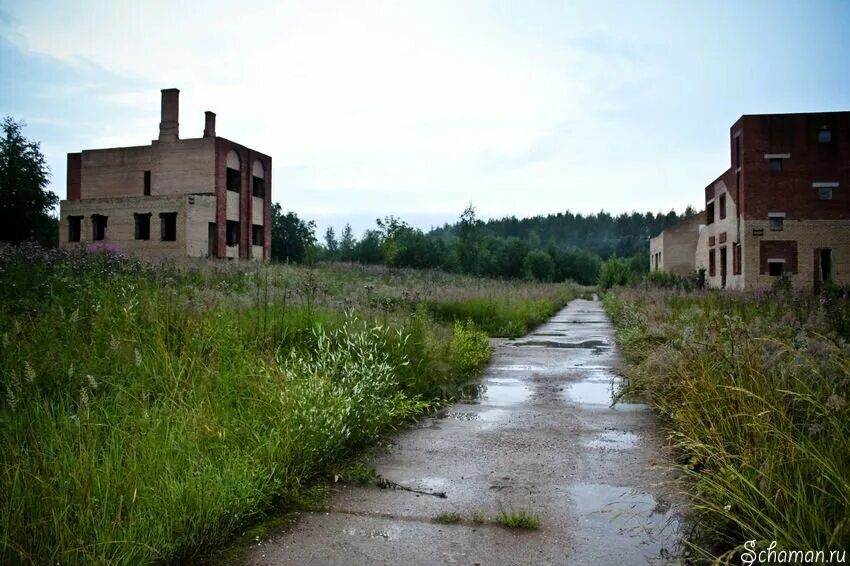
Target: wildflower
x,y
113,343
727,508
815,429
835,402
84,397
29,373
74,316
92,382
138,358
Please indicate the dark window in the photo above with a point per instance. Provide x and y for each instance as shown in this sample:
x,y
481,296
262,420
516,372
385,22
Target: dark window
x,y
722,206
776,223
259,187
233,180
147,183
709,213
168,226
824,136
736,259
257,234
98,226
75,225
143,226
775,164
825,264
775,268
737,151
825,193
711,263
212,240
232,233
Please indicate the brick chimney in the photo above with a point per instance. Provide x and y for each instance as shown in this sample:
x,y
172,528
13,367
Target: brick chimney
x,y
169,127
209,124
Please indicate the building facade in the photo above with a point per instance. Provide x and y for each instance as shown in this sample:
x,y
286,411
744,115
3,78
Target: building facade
x,y
674,249
199,197
783,207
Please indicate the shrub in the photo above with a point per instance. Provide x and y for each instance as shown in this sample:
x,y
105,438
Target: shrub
x,y
614,272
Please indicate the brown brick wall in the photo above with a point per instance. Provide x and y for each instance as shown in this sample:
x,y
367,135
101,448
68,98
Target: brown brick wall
x,y
778,249
75,163
790,190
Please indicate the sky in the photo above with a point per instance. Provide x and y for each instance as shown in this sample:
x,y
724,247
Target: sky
x,y
416,109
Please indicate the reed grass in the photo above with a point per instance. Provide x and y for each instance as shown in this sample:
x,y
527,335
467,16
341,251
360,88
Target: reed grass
x,y
753,389
150,412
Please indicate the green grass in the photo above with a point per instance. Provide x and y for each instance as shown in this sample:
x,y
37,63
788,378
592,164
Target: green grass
x,y
753,390
148,414
448,518
527,520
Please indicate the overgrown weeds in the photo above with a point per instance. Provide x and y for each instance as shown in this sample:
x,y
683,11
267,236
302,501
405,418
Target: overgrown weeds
x,y
754,391
149,412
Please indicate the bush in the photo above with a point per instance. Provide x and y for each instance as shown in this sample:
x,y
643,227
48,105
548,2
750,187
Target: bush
x,y
539,265
614,272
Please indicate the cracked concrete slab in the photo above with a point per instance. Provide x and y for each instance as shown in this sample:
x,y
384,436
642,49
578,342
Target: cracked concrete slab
x,y
538,434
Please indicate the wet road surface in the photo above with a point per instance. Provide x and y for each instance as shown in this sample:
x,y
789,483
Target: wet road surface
x,y
537,434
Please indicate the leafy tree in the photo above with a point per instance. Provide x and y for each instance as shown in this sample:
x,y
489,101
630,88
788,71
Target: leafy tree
x,y
330,251
469,241
347,244
25,202
615,271
510,257
370,248
539,265
582,266
293,239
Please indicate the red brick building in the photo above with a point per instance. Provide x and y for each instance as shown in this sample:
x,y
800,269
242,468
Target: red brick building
x,y
783,207
198,197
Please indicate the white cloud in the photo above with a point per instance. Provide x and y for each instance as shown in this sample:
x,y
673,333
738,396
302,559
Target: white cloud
x,y
386,107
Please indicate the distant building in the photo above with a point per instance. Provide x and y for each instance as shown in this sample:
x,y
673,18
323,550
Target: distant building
x,y
674,249
783,207
199,197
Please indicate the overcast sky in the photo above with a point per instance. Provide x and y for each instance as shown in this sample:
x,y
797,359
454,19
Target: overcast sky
x,y
418,108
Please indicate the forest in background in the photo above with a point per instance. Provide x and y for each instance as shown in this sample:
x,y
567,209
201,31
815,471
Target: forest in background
x,y
556,247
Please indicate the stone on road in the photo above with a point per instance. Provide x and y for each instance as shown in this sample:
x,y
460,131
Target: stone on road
x,y
536,434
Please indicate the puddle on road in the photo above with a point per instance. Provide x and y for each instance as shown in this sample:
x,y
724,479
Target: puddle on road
x,y
549,334
598,346
505,391
494,391
614,440
591,392
630,518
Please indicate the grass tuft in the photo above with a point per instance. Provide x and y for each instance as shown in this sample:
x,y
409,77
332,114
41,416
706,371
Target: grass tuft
x,y
517,519
448,518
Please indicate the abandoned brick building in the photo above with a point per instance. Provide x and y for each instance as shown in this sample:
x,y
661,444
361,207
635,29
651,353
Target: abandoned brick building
x,y
199,197
783,207
674,249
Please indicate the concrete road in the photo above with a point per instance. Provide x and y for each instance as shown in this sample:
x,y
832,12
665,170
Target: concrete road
x,y
537,434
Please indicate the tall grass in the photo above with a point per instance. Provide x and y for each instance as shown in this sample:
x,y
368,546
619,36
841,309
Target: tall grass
x,y
149,412
754,392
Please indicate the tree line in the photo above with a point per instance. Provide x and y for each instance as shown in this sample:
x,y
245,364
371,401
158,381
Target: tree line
x,y
556,247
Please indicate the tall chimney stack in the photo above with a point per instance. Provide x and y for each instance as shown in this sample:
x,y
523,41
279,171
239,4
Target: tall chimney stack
x,y
169,127
209,124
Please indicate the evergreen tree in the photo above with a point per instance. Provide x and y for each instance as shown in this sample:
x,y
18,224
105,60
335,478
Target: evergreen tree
x,y
25,202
